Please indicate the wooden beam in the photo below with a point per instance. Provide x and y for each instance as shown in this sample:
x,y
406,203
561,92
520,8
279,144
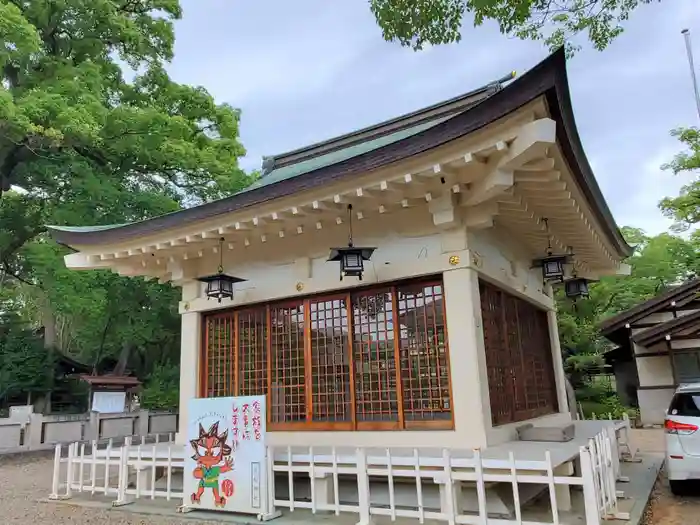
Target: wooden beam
x,y
545,164
531,143
492,185
537,177
481,216
444,210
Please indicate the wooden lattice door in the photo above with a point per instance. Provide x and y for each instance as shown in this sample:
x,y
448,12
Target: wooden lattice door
x,y
518,357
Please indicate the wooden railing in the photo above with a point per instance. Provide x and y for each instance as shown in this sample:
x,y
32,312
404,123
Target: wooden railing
x,y
105,469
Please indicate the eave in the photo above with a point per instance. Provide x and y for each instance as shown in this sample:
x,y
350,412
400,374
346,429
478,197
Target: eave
x,y
527,164
672,298
689,323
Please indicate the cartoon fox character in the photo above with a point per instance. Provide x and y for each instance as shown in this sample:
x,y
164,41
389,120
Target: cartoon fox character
x,y
210,449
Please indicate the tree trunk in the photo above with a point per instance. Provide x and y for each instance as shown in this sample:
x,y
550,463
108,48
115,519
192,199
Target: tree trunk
x,y
123,359
49,321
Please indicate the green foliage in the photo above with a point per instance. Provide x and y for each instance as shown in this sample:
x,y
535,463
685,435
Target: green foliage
x,y
161,391
603,408
417,23
25,365
657,263
685,208
81,145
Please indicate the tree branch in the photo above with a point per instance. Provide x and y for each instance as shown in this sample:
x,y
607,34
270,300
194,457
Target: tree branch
x,y
5,270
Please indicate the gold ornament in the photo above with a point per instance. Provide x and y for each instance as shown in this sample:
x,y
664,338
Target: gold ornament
x,y
454,260
300,286
187,307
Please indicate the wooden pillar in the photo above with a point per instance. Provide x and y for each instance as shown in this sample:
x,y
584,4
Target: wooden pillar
x,y
190,354
470,390
669,347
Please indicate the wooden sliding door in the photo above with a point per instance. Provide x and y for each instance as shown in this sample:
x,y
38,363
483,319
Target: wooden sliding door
x,y
518,357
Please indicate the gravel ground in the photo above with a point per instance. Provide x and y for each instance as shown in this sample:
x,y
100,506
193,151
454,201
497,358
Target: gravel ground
x,y
26,480
667,509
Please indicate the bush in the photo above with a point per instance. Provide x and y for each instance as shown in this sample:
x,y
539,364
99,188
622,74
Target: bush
x,y
25,365
606,407
162,389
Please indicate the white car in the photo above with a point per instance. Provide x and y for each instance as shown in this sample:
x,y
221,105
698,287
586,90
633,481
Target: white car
x,y
682,437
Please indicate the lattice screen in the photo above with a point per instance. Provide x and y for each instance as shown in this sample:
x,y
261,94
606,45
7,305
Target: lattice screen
x,y
376,359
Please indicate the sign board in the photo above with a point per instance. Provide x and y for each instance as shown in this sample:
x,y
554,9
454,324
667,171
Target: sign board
x,y
109,402
225,466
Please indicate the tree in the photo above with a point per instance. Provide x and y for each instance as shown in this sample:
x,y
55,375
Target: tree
x,y
82,145
685,208
25,366
658,262
417,23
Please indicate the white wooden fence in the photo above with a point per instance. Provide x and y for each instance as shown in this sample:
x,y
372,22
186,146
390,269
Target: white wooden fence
x,y
96,468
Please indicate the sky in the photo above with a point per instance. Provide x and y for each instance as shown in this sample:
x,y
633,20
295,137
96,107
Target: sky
x,y
308,70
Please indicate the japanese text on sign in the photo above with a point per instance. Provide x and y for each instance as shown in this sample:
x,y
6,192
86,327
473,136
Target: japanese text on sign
x,y
246,422
234,424
256,421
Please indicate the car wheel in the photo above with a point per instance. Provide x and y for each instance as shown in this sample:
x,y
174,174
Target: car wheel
x,y
678,488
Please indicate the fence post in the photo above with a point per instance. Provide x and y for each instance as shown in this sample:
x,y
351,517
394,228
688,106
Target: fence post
x,y
363,488
36,424
123,471
56,479
93,430
448,489
143,422
69,470
123,475
590,498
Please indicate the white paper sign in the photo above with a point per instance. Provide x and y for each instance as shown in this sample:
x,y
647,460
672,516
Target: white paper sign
x,y
225,455
109,402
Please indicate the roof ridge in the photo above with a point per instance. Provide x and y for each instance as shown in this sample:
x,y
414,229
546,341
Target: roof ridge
x,y
432,112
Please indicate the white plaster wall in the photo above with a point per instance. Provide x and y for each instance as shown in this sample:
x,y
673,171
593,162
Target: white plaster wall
x,y
409,246
685,343
653,405
655,371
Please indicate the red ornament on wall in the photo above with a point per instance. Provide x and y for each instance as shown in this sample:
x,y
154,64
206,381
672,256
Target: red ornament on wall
x,y
227,487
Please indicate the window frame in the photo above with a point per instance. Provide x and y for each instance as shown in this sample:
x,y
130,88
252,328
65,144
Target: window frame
x,y
354,424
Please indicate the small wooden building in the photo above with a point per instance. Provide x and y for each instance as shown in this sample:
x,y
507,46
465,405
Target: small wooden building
x,y
451,335
111,393
658,348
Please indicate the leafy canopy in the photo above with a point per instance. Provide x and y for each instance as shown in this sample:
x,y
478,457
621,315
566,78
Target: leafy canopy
x,y
82,143
416,23
658,262
685,208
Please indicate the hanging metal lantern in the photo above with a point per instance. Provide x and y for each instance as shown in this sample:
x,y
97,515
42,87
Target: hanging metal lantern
x,y
576,287
351,258
552,267
552,264
220,286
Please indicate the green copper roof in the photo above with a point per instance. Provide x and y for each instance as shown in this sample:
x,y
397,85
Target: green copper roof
x,y
334,157
299,168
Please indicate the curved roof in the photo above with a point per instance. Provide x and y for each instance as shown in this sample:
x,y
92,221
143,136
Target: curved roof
x,y
682,292
659,332
548,79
